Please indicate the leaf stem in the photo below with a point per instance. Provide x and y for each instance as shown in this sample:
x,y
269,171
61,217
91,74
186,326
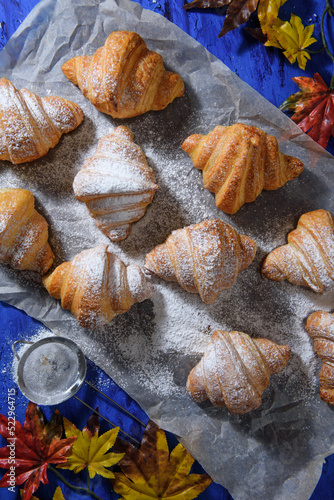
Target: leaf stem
x,y
312,52
77,488
328,9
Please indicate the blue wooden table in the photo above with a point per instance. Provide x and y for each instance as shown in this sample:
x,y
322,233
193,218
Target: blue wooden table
x,y
267,71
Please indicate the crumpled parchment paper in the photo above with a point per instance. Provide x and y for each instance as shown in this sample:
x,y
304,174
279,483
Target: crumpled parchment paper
x,y
276,451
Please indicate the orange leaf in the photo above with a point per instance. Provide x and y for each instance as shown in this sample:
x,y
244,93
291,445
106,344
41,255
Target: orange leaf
x,y
313,108
33,446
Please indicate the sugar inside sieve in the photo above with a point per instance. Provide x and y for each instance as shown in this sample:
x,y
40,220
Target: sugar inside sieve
x,y
51,370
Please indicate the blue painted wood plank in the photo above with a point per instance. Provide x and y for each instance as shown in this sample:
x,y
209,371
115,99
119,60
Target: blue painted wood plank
x,y
267,71
12,325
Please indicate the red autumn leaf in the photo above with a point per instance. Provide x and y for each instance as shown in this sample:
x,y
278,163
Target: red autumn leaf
x,y
31,448
238,11
313,108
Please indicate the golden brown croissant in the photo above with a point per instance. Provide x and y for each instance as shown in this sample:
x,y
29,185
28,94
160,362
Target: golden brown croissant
x,y
235,370
23,232
308,258
31,125
116,184
96,286
123,78
238,162
320,326
204,258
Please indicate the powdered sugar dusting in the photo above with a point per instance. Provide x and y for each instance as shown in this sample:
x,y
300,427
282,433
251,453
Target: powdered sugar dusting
x,y
203,258
174,322
116,183
95,288
308,258
235,370
31,337
151,349
28,125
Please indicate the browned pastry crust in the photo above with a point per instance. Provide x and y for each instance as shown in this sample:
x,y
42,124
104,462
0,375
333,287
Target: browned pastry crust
x,y
235,370
203,258
238,162
96,286
320,326
116,183
308,258
123,78
30,125
23,232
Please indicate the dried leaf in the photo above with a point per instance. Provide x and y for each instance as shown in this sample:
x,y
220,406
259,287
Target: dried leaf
x,y
31,498
267,12
258,34
90,449
58,494
293,38
313,108
206,4
93,424
153,472
36,445
238,12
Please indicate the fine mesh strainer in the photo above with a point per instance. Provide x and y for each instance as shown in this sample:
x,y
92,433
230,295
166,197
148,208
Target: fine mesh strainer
x,y
52,370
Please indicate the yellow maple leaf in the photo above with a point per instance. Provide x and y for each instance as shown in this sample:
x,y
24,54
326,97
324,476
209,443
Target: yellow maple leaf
x,y
267,12
90,450
151,472
58,495
293,38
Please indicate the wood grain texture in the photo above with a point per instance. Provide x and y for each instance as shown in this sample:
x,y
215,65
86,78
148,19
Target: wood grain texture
x,y
263,68
268,72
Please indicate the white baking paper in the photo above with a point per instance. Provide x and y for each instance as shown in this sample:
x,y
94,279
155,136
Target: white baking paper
x,y
276,451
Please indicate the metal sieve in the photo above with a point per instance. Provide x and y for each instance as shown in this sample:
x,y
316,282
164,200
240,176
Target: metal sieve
x,y
51,370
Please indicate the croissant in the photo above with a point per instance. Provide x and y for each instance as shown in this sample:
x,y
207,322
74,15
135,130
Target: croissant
x,y
308,258
204,258
235,370
116,184
123,78
96,286
23,232
30,125
320,326
238,162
